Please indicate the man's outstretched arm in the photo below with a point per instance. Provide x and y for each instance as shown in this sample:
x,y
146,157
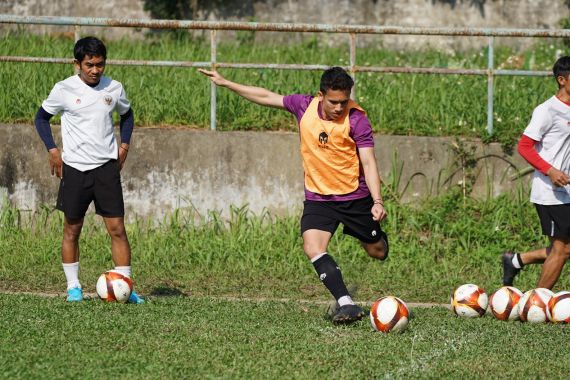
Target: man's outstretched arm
x,y
254,94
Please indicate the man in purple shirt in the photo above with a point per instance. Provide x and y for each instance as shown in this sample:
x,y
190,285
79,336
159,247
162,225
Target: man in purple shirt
x,y
342,184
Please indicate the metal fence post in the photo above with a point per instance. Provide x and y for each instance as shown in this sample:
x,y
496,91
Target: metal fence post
x,y
490,68
213,99
76,37
77,32
353,64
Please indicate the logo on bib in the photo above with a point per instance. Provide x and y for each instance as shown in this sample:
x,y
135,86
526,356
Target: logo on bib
x,y
323,140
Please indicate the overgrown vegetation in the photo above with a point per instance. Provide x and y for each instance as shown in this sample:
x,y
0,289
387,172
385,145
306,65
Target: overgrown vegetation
x,y
435,246
433,105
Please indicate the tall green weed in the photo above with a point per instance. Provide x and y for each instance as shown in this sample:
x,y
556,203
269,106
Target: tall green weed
x,y
431,105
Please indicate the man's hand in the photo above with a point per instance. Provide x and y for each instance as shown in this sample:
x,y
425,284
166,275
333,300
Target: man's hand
x,y
214,77
123,151
558,177
378,212
55,162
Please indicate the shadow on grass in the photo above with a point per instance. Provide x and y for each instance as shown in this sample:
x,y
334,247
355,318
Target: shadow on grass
x,y
167,291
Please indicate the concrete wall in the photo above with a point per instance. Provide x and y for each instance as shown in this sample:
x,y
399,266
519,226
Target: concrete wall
x,y
439,13
181,168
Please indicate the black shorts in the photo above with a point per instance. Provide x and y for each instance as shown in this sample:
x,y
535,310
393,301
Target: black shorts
x,y
355,215
102,185
554,220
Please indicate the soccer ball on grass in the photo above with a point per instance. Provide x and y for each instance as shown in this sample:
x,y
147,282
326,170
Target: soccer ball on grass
x,y
114,287
469,301
389,314
558,308
533,305
504,303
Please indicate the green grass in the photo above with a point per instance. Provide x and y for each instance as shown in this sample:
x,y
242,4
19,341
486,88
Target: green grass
x,y
180,337
433,105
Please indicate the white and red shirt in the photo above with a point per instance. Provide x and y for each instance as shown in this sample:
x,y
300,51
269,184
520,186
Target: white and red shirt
x,y
550,128
87,129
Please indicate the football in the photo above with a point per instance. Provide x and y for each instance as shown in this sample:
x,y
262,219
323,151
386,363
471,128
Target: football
x,y
533,305
389,314
114,287
558,310
469,301
504,303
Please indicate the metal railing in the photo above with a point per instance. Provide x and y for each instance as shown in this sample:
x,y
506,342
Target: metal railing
x,y
351,30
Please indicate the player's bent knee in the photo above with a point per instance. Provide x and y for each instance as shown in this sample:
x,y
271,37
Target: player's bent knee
x,y
377,251
312,250
379,255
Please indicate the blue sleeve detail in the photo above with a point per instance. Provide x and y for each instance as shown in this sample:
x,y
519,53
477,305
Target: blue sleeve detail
x,y
44,129
126,126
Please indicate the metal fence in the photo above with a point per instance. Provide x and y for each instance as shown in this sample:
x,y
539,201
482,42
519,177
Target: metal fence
x,y
351,30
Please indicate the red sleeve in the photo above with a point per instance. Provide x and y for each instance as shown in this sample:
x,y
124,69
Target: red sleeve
x,y
527,151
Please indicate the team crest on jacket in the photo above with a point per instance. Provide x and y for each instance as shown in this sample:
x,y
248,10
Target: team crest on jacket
x,y
108,100
77,101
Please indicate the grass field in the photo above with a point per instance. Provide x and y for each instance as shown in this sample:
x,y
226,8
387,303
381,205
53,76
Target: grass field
x,y
236,298
434,105
187,337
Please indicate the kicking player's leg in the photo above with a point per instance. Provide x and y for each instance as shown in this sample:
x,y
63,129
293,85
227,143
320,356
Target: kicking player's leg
x,y
555,225
358,222
315,244
554,263
378,250
513,262
318,224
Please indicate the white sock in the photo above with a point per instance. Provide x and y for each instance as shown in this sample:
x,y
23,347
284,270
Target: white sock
x,y
125,270
345,300
318,257
72,275
516,262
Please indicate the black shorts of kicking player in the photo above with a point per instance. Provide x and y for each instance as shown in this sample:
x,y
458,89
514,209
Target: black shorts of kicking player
x,y
355,215
554,220
101,185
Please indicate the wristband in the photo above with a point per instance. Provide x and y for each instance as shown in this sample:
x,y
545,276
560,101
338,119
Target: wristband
x,y
378,202
124,148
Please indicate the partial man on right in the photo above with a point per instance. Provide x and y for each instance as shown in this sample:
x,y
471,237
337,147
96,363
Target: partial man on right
x,y
545,144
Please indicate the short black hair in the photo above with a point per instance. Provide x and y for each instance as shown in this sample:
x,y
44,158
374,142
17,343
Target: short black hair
x,y
89,46
561,68
336,78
